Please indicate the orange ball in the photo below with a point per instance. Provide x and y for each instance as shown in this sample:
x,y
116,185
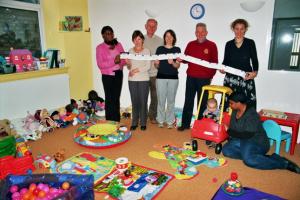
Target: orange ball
x,y
42,194
32,187
65,185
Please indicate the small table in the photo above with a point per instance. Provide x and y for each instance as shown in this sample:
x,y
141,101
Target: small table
x,y
293,120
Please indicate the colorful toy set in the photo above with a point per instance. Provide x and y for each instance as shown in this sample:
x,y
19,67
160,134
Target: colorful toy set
x,y
233,186
130,181
103,134
185,160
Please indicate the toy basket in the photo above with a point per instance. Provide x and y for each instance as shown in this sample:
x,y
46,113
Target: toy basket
x,y
81,185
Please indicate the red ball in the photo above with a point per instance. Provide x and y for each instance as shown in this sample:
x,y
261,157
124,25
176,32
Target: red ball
x,y
36,191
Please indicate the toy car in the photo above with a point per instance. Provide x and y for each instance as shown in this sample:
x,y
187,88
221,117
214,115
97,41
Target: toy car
x,y
208,129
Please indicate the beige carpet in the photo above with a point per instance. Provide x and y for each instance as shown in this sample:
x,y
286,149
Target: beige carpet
x,y
279,182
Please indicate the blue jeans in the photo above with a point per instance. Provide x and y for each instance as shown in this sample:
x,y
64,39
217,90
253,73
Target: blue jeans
x,y
252,154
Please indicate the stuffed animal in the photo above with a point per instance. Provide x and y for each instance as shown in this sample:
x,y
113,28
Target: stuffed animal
x,y
59,156
60,123
44,118
32,126
6,128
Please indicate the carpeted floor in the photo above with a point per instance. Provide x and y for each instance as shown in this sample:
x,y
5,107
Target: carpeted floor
x,y
279,182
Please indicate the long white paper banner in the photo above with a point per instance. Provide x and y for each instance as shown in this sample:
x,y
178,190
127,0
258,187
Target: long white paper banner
x,y
191,59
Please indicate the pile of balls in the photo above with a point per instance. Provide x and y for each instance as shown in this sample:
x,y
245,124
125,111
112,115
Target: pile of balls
x,y
39,191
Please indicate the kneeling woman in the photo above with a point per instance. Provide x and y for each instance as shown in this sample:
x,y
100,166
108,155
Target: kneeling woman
x,y
248,140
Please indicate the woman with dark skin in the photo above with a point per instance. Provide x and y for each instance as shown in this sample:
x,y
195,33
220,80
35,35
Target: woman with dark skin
x,y
248,140
111,67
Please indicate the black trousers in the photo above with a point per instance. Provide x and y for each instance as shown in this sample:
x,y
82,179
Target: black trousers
x,y
112,89
193,86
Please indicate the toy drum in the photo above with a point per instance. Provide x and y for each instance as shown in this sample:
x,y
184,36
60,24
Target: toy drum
x,y
122,163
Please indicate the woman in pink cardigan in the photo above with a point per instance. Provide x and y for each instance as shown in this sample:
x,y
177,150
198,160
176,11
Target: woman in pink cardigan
x,y
111,67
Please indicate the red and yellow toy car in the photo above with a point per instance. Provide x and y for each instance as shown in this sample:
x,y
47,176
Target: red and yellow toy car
x,y
208,129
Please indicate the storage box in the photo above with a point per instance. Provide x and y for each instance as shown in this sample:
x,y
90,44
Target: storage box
x,y
81,186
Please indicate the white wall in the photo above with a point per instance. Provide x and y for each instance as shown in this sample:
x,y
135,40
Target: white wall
x,y
18,97
275,90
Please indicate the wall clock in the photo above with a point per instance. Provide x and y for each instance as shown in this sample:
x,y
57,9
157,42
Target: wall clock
x,y
197,11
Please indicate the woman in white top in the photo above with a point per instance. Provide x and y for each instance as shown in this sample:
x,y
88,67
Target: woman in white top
x,y
138,81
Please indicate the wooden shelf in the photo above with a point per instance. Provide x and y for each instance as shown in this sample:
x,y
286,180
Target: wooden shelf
x,y
32,74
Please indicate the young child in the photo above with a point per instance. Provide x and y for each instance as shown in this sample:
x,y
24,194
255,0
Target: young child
x,y
212,110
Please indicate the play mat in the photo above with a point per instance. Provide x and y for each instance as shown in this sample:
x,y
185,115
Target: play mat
x,y
117,179
102,134
185,160
85,163
136,182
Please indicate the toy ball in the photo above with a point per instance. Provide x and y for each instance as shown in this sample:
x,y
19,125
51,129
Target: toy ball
x,y
13,188
40,186
27,196
32,187
36,191
42,194
23,191
65,185
46,188
15,195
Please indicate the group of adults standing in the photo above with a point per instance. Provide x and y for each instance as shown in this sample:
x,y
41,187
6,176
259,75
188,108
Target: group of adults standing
x,y
247,138
161,77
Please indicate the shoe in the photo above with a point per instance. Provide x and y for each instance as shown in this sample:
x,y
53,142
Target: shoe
x,y
143,128
181,128
153,121
170,126
291,166
132,128
160,125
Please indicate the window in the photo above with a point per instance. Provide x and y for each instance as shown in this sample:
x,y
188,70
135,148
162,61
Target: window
x,y
285,45
20,26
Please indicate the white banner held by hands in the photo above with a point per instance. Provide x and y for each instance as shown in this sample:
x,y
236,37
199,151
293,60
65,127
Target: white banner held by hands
x,y
187,58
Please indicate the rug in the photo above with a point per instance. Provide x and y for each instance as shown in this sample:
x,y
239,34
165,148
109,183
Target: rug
x,y
102,134
86,164
137,182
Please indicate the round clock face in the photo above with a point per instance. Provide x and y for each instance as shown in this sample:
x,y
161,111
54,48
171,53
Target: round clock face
x,y
197,11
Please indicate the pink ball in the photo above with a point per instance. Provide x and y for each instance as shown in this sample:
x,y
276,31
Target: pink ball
x,y
15,194
40,186
14,188
17,198
46,188
23,191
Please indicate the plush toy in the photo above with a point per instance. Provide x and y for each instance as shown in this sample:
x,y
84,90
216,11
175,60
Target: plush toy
x,y
6,128
60,123
59,156
44,118
32,126
97,103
